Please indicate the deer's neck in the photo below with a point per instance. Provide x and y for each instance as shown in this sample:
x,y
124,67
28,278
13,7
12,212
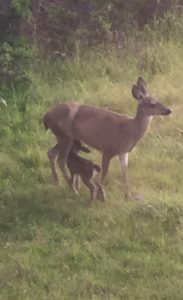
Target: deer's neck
x,y
141,122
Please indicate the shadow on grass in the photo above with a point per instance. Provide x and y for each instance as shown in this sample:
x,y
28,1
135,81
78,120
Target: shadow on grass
x,y
44,204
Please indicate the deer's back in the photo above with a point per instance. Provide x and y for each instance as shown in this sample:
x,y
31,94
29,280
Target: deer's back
x,y
97,127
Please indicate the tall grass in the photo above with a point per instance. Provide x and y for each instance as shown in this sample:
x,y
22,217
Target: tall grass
x,y
53,246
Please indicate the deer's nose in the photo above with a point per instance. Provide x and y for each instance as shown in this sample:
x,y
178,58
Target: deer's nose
x,y
168,112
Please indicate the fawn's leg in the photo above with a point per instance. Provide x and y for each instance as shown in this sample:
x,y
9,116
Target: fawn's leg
x,y
100,193
91,186
98,186
77,182
74,182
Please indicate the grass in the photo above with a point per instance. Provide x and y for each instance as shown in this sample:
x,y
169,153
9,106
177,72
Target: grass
x,y
52,244
55,247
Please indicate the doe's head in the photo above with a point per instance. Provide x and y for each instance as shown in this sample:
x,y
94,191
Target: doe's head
x,y
149,105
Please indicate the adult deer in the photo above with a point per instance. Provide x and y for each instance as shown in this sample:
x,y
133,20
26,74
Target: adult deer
x,y
107,131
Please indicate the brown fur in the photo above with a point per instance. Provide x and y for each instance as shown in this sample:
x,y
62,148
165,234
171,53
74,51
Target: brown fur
x,y
79,167
110,132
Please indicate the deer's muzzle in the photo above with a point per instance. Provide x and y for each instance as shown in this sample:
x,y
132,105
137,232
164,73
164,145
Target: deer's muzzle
x,y
168,112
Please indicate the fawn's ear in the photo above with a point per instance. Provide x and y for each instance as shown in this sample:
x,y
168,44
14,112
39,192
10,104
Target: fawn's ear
x,y
85,149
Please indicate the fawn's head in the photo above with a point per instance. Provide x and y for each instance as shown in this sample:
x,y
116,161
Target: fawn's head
x,y
148,105
77,146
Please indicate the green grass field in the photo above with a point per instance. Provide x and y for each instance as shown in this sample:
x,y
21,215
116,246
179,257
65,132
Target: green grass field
x,y
52,244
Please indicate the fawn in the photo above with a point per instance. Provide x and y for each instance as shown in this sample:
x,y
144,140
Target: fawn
x,y
79,167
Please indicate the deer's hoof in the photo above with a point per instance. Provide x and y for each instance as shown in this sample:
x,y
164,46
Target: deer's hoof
x,y
131,197
101,195
101,198
127,197
54,181
75,190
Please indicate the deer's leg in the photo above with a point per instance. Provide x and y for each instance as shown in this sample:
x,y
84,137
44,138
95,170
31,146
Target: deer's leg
x,y
100,193
123,157
73,182
91,186
52,156
105,165
65,144
77,182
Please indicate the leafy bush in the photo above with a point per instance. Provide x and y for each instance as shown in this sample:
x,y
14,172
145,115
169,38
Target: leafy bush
x,y
15,50
13,62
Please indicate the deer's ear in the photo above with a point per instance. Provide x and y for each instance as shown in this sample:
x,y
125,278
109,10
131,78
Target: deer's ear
x,y
134,92
141,85
85,149
137,93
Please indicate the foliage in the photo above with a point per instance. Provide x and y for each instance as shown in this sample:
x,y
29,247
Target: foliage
x,y
55,246
62,25
15,51
60,29
20,7
13,61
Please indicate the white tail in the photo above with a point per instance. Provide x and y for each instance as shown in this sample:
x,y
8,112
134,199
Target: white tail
x,y
110,132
